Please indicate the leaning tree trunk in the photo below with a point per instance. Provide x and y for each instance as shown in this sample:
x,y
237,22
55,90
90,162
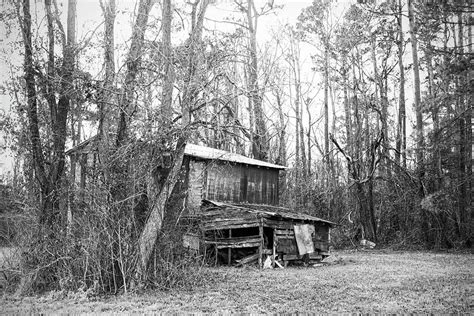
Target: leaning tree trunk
x,y
159,200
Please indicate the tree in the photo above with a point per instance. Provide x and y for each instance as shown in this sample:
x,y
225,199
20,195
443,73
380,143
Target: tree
x,y
107,93
259,131
49,171
134,57
168,73
401,143
159,198
417,98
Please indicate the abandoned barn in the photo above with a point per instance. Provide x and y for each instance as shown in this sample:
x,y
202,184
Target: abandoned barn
x,y
234,202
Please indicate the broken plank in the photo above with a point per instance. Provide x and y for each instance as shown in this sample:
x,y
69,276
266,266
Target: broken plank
x,y
248,259
278,264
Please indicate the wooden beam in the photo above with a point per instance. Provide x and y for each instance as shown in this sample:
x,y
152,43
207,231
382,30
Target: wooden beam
x,y
229,225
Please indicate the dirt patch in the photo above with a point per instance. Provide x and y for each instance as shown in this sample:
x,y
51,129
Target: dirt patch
x,y
392,282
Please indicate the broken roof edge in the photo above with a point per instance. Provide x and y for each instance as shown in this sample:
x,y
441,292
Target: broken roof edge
x,y
279,211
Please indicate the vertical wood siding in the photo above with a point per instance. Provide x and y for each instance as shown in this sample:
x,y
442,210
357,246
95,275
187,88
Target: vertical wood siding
x,y
238,183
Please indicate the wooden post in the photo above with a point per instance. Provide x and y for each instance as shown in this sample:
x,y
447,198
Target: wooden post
x,y
274,247
260,248
229,250
215,246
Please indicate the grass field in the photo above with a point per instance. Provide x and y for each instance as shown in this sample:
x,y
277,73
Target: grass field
x,y
375,281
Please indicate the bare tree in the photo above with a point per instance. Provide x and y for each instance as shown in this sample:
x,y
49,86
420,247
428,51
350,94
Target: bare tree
x,y
126,99
159,197
418,110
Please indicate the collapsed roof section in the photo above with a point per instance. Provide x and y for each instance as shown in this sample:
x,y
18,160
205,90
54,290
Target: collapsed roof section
x,y
261,211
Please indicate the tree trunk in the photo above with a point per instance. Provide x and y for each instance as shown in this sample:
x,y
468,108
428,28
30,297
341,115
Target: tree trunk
x,y
260,137
463,186
347,108
434,114
107,93
401,126
326,105
308,136
418,110
168,80
281,159
159,198
33,121
469,135
133,62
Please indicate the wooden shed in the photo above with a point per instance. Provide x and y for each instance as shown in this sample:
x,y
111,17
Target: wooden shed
x,y
237,233
232,201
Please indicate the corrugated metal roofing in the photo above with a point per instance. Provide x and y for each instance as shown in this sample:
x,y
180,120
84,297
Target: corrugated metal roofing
x,y
217,154
271,211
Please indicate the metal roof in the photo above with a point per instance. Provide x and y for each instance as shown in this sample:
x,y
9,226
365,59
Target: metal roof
x,y
271,211
217,154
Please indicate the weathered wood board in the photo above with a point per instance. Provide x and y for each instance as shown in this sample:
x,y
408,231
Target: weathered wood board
x,y
304,238
237,183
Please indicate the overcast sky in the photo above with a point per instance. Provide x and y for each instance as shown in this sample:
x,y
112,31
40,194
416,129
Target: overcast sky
x,y
89,17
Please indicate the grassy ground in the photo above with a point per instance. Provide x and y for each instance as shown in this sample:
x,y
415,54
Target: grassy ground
x,y
373,281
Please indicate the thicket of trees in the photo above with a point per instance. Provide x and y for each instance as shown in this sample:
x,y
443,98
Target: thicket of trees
x,y
377,134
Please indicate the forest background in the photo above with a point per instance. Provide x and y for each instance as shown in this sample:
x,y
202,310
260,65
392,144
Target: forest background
x,y
369,104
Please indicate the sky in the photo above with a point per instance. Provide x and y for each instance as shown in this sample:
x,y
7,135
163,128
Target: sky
x,y
89,18
89,25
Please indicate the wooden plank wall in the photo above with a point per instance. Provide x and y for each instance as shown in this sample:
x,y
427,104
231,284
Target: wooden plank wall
x,y
237,183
